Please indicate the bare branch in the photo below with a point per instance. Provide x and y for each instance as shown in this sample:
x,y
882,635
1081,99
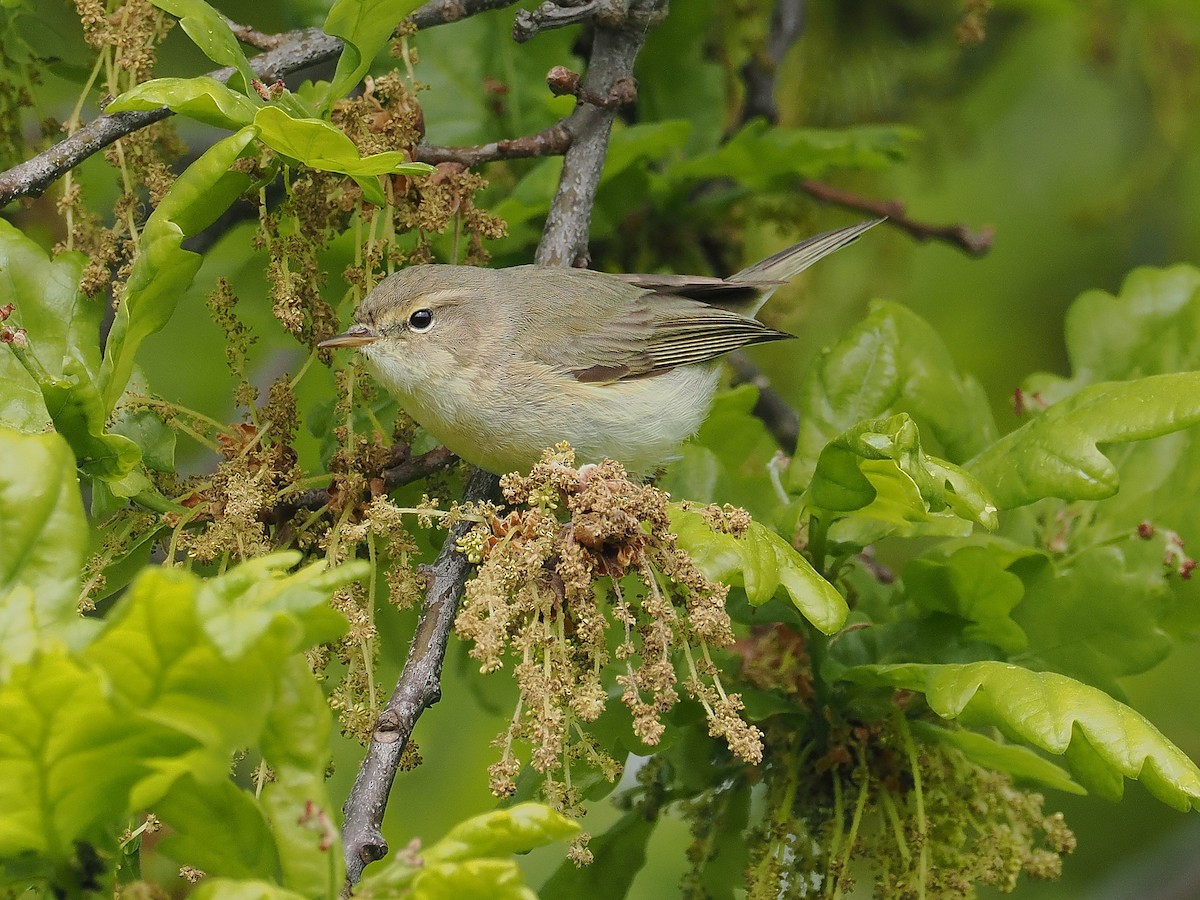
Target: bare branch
x,y
443,12
614,49
974,242
248,35
404,469
564,240
554,141
418,688
561,13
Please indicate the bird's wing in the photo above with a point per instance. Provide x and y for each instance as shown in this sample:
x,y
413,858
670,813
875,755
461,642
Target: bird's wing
x,y
616,329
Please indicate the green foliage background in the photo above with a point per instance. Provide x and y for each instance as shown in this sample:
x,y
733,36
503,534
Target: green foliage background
x,y
1071,130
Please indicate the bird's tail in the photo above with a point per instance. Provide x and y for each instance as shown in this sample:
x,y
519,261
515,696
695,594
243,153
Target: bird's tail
x,y
790,262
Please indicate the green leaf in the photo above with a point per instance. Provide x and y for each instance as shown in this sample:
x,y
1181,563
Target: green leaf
x,y
67,758
61,323
1151,327
78,413
620,853
239,608
1057,453
1095,616
1053,713
366,26
296,744
160,665
974,585
228,889
218,828
1020,762
211,33
474,879
893,361
465,863
162,268
762,562
517,829
43,540
201,98
318,145
878,470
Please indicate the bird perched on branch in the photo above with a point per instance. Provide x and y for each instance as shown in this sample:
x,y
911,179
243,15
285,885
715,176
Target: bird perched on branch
x,y
500,364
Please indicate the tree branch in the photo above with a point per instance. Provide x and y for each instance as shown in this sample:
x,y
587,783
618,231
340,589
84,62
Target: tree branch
x,y
418,688
254,38
564,240
294,51
614,49
404,469
554,141
976,243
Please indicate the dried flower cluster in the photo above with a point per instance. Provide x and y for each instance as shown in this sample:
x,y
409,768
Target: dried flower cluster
x,y
582,587
126,34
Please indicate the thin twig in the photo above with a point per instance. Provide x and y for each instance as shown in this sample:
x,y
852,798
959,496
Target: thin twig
x,y
443,12
564,241
974,242
404,470
253,37
554,141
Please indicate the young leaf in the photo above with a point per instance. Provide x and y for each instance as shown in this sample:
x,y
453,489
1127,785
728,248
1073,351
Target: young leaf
x,y
1053,713
974,585
162,268
1096,616
295,743
201,98
472,860
218,828
1057,453
762,562
78,414
67,758
209,31
318,145
60,322
43,539
891,362
228,889
620,853
366,26
517,829
472,879
1149,328
879,470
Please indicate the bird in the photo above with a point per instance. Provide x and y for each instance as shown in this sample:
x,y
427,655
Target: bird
x,y
502,364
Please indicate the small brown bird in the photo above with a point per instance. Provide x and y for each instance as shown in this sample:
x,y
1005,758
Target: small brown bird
x,y
500,364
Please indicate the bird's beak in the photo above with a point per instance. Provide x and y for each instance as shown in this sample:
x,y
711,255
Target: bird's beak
x,y
354,336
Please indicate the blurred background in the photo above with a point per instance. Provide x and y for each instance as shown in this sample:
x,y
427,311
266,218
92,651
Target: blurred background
x,y
1070,127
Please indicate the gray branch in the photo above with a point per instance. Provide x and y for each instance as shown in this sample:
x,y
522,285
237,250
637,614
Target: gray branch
x,y
564,241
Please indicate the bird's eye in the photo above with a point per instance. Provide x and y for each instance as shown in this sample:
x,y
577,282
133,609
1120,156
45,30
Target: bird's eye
x,y
421,320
